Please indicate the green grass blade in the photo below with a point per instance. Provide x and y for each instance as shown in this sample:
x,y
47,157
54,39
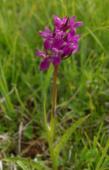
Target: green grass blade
x,y
96,38
66,136
27,164
104,153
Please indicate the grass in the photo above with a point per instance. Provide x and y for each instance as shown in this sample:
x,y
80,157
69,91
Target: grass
x,y
83,84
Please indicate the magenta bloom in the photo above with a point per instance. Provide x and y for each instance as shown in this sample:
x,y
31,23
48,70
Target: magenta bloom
x,y
60,43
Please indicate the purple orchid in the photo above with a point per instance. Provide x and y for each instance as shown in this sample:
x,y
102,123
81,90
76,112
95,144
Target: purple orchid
x,y
60,43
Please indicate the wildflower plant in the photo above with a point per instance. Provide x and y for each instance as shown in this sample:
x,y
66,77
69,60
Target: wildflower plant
x,y
59,44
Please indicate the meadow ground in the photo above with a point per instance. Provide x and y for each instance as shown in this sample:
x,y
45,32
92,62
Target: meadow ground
x,y
25,92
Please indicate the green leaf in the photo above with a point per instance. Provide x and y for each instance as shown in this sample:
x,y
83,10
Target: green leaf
x,y
27,164
23,164
66,136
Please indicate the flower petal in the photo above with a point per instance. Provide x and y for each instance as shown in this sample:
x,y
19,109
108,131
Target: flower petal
x,y
48,43
46,33
44,65
72,21
76,38
67,51
75,48
57,21
78,24
40,53
73,38
60,23
56,60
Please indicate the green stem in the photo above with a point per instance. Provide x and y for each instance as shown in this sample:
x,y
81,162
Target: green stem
x,y
52,118
54,164
54,92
